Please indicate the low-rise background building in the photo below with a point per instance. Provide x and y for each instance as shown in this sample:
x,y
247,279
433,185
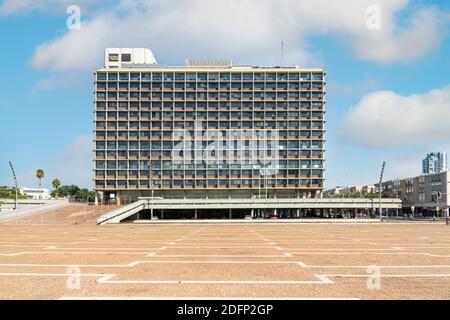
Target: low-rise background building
x,y
36,194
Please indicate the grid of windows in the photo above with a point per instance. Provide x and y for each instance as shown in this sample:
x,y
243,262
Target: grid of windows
x,y
137,111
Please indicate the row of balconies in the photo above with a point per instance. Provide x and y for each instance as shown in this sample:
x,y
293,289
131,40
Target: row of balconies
x,y
243,99
279,125
247,114
203,94
245,165
282,120
236,78
147,135
237,87
197,111
198,180
138,88
202,171
225,124
114,187
203,178
185,119
132,134
243,89
169,105
154,158
148,138
207,115
209,80
211,77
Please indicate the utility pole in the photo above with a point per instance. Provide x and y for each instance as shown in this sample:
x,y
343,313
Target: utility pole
x,y
380,188
438,195
266,182
151,188
15,183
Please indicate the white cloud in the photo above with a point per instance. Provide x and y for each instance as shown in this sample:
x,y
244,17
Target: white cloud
x,y
12,7
248,31
388,46
8,7
387,119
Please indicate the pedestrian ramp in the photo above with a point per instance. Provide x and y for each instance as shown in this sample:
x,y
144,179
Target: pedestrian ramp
x,y
120,214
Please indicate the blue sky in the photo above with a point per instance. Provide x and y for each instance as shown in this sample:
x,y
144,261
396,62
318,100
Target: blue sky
x,y
388,88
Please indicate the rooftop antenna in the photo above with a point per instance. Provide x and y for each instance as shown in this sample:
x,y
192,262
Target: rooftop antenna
x,y
282,52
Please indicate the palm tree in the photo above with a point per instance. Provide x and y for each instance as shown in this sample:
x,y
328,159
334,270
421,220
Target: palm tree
x,y
40,175
56,183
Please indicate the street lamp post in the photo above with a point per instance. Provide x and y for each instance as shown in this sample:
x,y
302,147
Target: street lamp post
x,y
151,190
15,183
438,196
380,189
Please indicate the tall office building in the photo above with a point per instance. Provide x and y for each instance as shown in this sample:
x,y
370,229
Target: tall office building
x,y
207,129
434,163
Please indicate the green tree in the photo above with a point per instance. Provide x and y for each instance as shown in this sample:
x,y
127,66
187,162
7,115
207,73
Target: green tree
x,y
40,175
10,193
56,183
68,191
85,195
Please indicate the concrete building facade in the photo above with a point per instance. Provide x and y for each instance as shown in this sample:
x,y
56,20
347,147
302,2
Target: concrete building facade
x,y
425,193
207,130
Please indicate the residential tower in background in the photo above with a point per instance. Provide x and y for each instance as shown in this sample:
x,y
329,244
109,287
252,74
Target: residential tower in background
x,y
434,163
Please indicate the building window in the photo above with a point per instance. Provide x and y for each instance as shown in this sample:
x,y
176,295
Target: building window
x,y
113,57
126,57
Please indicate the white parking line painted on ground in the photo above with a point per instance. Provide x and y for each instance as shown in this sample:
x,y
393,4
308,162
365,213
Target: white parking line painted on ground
x,y
325,279
224,255
438,275
369,253
221,246
322,280
215,262
380,266
24,274
65,252
202,298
